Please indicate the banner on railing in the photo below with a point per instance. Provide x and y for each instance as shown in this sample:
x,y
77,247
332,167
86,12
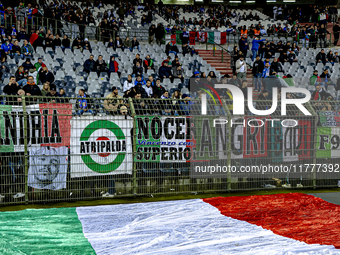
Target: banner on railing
x,y
48,167
328,142
47,125
101,146
163,139
329,118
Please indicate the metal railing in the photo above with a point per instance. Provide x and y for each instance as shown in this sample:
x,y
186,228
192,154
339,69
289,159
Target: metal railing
x,y
91,148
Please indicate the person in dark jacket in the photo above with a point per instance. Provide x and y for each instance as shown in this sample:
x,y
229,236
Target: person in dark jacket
x,y
159,33
152,31
336,31
321,57
53,96
137,70
135,43
148,63
31,89
89,65
119,43
158,89
100,65
165,71
276,66
21,76
11,89
65,43
27,65
243,45
264,95
45,75
322,32
171,48
258,67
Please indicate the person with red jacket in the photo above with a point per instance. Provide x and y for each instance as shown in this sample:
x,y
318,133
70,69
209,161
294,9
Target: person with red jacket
x,y
113,66
34,37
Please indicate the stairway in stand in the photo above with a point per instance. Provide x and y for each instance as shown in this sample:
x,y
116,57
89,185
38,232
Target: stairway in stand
x,y
223,68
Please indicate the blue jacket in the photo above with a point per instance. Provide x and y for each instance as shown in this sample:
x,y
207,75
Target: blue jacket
x,y
6,47
255,44
264,72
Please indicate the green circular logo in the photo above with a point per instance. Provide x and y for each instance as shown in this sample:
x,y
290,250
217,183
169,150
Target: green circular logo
x,y
85,136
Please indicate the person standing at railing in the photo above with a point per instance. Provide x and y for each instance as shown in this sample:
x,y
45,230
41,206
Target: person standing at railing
x,y
20,13
243,44
258,67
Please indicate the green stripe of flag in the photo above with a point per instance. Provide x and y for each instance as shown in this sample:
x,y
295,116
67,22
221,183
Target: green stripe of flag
x,y
53,231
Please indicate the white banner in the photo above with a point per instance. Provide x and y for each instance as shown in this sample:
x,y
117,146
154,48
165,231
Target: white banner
x,y
48,168
101,146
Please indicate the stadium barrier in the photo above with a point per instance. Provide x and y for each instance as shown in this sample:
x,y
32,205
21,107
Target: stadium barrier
x,y
160,146
96,33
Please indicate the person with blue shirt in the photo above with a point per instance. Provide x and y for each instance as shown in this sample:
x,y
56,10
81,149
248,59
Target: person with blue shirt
x,y
7,47
255,46
266,71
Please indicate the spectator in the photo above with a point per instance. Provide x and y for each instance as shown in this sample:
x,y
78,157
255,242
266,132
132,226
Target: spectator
x,y
148,63
65,43
331,57
314,78
276,66
113,101
243,44
31,89
152,31
171,48
21,76
123,110
4,67
128,84
45,75
111,44
292,57
128,44
83,104
264,95
16,50
177,73
158,89
148,89
34,37
89,65
11,89
119,43
140,89
321,57
266,71
165,71
56,43
100,65
319,93
241,68
166,104
54,94
6,47
46,89
135,44
87,45
255,46
39,64
235,81
159,33
140,80
322,36
177,96
113,66
137,59
258,67
244,89
289,80
336,31
140,106
325,77
153,82
234,58
77,44
137,70
27,65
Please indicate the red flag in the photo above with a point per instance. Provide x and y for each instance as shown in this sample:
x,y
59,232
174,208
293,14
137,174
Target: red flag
x,y
192,37
223,37
173,39
202,36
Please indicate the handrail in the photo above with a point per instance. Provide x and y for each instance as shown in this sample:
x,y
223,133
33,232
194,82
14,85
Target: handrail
x,y
214,44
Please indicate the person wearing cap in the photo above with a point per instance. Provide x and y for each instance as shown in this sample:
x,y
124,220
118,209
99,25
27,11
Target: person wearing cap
x,y
54,94
241,68
87,45
113,101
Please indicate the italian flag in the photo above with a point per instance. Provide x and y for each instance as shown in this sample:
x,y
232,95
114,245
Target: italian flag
x,y
292,223
217,37
327,139
170,38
